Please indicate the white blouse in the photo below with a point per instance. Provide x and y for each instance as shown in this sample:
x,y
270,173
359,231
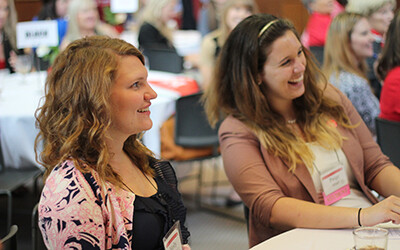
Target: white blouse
x,y
325,159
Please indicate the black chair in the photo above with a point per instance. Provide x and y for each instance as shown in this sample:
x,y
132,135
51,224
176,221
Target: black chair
x,y
388,138
318,52
37,239
193,130
164,60
11,179
10,240
246,212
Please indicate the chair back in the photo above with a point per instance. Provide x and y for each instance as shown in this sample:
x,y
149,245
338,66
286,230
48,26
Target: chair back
x,y
164,60
318,52
10,240
37,239
388,138
191,125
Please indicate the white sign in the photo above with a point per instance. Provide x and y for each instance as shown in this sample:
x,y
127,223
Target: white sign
x,y
124,6
37,33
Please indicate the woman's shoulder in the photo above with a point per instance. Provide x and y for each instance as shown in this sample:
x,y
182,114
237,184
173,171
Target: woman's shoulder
x,y
147,27
233,125
347,81
66,173
350,78
393,73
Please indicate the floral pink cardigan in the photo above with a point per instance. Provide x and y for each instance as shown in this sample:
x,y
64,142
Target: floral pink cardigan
x,y
76,211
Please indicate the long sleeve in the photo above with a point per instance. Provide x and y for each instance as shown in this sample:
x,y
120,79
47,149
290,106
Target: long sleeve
x,y
75,211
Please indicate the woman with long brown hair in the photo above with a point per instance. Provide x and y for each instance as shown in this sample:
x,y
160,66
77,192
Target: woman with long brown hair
x,y
286,131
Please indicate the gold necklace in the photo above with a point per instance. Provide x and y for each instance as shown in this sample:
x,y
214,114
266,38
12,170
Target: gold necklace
x,y
291,121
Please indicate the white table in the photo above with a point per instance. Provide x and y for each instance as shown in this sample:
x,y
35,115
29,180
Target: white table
x,y
317,239
19,100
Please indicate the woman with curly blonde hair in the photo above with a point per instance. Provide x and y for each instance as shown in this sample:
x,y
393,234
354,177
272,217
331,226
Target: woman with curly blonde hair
x,y
101,183
287,134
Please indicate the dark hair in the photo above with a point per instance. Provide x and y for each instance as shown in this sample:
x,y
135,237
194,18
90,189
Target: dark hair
x,y
48,11
235,91
390,56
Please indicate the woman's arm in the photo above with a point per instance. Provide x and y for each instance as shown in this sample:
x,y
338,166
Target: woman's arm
x,y
387,182
290,213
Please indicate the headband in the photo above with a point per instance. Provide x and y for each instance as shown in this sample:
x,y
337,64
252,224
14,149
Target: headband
x,y
266,27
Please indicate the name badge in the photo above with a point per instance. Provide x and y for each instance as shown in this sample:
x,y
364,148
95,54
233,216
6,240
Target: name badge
x,y
173,239
335,185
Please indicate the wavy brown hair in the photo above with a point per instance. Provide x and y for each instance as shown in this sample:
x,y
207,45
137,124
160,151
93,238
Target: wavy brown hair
x,y
234,91
76,113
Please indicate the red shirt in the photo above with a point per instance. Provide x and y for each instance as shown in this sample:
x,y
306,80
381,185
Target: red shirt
x,y
390,96
3,64
317,29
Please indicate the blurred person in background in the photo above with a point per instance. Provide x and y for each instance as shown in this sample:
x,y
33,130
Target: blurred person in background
x,y
157,26
102,185
379,14
8,39
314,34
348,45
209,15
55,10
232,13
286,130
83,21
389,70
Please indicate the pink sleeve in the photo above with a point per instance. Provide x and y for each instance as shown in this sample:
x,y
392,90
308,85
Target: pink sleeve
x,y
69,213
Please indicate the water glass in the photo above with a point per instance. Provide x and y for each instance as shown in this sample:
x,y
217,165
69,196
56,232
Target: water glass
x,y
370,238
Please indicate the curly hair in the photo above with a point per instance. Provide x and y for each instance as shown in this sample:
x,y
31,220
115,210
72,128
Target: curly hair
x,y
234,91
76,113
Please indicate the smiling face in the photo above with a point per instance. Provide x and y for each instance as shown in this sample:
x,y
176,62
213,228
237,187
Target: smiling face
x,y
284,69
361,40
130,99
380,19
3,13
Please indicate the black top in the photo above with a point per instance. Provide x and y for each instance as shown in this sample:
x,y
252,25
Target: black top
x,y
154,216
151,38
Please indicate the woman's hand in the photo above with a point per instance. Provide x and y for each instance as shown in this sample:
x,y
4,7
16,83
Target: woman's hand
x,y
384,211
